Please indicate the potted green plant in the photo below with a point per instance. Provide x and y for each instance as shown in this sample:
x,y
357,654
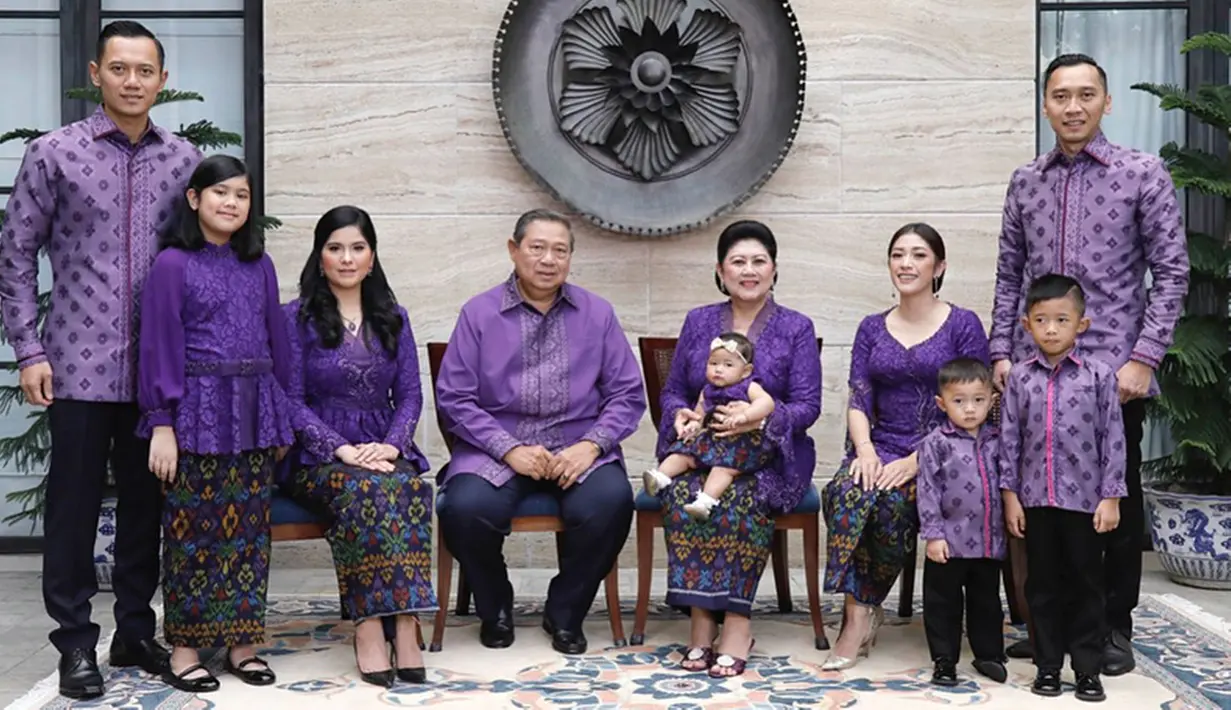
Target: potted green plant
x,y
30,451
1188,493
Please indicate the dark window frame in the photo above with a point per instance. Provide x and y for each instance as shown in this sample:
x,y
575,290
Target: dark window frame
x,y
80,21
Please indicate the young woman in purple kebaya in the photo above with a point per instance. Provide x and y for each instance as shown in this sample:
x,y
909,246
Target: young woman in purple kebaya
x,y
962,521
1063,460
210,377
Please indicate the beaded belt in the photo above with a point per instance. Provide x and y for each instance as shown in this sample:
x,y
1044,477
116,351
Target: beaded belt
x,y
230,367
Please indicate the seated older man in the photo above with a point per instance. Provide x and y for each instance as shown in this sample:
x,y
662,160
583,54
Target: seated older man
x,y
538,386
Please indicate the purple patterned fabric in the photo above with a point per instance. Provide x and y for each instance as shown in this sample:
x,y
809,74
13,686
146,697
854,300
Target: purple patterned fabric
x,y
896,386
96,202
512,375
353,394
718,396
1062,434
959,491
787,366
1103,218
214,357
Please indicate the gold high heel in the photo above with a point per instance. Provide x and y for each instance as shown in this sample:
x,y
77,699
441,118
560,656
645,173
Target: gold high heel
x,y
841,663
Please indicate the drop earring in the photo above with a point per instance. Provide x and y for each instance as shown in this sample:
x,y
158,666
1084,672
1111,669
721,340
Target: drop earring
x,y
936,287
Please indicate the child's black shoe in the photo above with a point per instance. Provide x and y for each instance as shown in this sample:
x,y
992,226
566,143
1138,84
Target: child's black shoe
x,y
1090,688
994,670
944,674
1047,683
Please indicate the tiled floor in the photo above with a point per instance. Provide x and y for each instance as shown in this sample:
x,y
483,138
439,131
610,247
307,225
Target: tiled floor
x,y
26,656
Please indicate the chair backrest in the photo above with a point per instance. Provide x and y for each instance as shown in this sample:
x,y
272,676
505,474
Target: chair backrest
x,y
435,356
656,356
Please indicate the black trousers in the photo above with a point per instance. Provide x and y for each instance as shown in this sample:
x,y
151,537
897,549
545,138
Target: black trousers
x,y
1064,588
85,436
970,585
1124,544
597,513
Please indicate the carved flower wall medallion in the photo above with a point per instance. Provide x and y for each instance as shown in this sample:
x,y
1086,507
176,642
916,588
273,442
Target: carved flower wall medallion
x,y
650,117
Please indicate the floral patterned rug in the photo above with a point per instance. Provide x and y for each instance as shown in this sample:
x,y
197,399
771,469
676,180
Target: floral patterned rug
x,y
1184,662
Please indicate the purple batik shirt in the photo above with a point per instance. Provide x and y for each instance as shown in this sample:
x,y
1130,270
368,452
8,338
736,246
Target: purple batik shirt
x,y
214,356
355,393
1103,217
959,491
1061,434
96,202
513,376
787,365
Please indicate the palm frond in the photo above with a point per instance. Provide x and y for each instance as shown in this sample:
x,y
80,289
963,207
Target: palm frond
x,y
21,134
1215,41
206,136
1174,98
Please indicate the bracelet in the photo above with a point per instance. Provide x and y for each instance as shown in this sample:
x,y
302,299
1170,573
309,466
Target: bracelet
x,y
864,443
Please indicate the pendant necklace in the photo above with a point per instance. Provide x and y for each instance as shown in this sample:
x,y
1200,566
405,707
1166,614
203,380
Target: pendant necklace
x,y
351,325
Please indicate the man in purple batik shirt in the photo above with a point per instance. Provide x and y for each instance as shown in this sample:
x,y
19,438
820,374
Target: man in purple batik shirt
x,y
1104,215
94,195
537,389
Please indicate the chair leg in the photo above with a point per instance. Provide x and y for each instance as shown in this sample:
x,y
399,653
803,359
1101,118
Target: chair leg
x,y
612,583
444,584
812,557
645,568
1017,558
782,571
463,595
906,600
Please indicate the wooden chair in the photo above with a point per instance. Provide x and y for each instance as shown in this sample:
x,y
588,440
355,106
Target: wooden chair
x,y
656,356
539,512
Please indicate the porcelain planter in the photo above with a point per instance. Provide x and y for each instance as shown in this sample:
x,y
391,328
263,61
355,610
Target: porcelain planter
x,y
1192,536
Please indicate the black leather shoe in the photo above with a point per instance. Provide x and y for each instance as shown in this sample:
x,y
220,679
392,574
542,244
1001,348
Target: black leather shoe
x,y
994,670
1020,650
1090,688
944,674
146,653
498,633
1047,684
1118,655
79,676
564,641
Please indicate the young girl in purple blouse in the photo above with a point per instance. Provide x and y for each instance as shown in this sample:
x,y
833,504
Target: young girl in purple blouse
x,y
728,376
210,376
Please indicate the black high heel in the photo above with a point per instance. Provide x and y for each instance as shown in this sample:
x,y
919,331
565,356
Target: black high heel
x,y
384,678
417,675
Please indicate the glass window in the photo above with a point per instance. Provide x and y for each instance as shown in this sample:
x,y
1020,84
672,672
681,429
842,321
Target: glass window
x,y
165,6
33,45
26,5
1132,46
205,56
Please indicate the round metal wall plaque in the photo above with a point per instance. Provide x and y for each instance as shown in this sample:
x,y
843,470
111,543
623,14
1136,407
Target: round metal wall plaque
x,y
650,116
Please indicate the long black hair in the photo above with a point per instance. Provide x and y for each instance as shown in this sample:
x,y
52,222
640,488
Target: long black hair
x,y
318,305
185,231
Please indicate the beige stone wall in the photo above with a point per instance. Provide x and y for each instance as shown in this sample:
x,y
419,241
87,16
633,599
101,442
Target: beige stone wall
x,y
916,110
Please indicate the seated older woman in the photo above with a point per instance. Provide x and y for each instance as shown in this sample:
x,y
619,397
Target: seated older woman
x,y
869,506
357,393
715,564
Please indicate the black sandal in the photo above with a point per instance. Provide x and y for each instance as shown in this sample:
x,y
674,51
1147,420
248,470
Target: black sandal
x,y
260,676
203,684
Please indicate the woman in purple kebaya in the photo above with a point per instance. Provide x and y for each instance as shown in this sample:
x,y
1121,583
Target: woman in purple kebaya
x,y
869,505
714,564
357,397
211,369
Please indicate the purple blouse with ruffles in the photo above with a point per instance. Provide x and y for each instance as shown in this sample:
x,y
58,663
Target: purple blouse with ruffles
x,y
787,365
895,386
355,393
213,352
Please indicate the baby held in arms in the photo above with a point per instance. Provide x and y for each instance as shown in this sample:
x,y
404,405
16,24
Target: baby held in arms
x,y
710,440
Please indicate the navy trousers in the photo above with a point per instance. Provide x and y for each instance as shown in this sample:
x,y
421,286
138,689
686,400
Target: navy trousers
x,y
477,516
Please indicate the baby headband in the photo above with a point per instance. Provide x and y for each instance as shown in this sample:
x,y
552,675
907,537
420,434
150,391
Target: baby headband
x,y
729,345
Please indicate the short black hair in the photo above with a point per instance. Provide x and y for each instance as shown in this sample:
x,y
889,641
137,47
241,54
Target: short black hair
x,y
131,30
541,215
1052,286
743,345
1072,60
961,370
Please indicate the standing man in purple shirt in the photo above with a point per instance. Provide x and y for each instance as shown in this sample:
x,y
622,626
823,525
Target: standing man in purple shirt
x,y
538,387
1104,215
94,195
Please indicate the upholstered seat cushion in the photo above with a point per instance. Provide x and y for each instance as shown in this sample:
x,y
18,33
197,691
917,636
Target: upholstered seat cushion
x,y
284,511
811,502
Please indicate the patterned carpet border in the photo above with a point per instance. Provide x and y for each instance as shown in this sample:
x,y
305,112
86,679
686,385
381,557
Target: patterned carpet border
x,y
1179,646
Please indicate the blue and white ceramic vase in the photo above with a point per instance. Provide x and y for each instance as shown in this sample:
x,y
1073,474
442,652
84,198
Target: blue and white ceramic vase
x,y
104,545
1192,536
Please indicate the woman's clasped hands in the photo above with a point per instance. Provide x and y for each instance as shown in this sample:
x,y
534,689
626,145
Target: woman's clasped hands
x,y
869,473
374,456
